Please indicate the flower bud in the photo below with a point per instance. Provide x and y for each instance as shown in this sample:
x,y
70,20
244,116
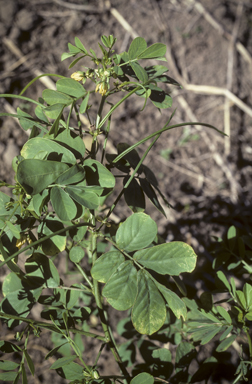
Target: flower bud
x,y
78,76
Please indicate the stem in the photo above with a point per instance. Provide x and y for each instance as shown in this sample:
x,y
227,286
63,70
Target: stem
x,y
43,239
83,273
117,105
102,313
249,343
99,114
78,119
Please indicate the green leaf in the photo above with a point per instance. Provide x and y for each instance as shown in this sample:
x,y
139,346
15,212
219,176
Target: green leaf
x,y
40,271
66,55
224,280
84,197
14,230
8,347
249,316
39,112
154,71
134,196
55,244
63,205
226,332
6,365
169,258
79,44
151,194
71,141
149,311
70,87
63,361
247,290
54,111
224,314
154,51
97,174
241,299
137,46
72,48
55,350
33,146
143,378
76,254
35,175
225,344
29,362
175,303
25,123
54,97
75,61
71,371
138,231
140,72
121,289
8,376
84,104
209,335
72,175
162,354
184,355
106,265
19,298
159,98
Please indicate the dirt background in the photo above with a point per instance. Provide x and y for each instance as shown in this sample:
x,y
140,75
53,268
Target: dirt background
x,y
207,178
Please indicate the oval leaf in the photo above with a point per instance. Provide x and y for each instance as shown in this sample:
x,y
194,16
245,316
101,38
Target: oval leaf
x,y
137,232
175,303
33,146
70,87
149,311
143,378
137,46
106,265
121,289
55,97
35,175
63,205
170,258
86,198
154,51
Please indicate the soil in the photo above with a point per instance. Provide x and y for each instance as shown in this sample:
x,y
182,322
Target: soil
x,y
207,178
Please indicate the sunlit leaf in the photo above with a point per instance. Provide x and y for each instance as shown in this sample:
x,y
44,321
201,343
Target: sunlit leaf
x,y
169,258
138,231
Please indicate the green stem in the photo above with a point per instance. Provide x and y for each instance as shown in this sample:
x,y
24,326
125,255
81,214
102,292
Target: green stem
x,y
43,239
78,120
249,343
83,273
117,105
99,114
102,314
41,324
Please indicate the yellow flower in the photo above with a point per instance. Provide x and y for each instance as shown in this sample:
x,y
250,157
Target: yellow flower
x,y
102,88
78,76
21,241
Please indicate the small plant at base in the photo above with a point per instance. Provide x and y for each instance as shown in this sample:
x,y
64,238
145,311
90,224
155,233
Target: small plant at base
x,y
60,204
